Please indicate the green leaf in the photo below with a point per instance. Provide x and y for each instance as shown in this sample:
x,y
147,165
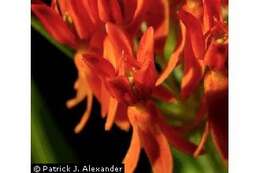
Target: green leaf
x,y
48,144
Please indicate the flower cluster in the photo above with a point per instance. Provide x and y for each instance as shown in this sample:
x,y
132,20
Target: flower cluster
x,y
117,44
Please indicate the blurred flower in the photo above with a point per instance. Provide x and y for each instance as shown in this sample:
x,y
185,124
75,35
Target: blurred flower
x,y
203,45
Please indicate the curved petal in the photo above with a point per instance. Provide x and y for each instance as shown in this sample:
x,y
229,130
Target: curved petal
x,y
85,117
132,156
194,29
145,50
157,149
202,141
175,57
54,24
113,105
152,139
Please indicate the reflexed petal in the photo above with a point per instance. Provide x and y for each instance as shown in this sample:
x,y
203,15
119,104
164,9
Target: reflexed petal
x,y
157,149
152,139
132,156
112,108
203,140
85,117
195,31
54,24
175,57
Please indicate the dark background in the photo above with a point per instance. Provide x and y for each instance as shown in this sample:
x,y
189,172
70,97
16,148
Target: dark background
x,y
54,75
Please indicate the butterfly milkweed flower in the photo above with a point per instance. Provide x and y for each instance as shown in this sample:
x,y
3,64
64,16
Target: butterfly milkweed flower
x,y
203,48
80,24
131,81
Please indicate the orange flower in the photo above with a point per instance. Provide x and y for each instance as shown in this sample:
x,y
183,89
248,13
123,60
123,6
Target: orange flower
x,y
131,83
203,48
64,22
81,24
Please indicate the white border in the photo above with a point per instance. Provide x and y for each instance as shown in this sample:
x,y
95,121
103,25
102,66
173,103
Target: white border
x,y
15,86
244,86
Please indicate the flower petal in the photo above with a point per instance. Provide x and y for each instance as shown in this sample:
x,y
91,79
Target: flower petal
x,y
175,57
104,11
113,104
132,156
152,139
202,141
158,150
195,31
81,19
54,24
193,71
145,51
119,40
121,118
85,117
